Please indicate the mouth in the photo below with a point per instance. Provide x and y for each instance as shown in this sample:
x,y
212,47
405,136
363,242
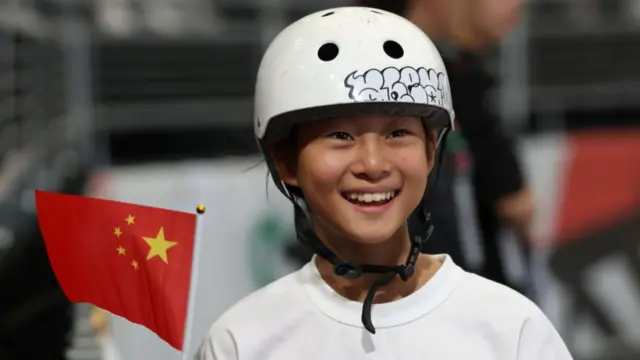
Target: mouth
x,y
370,201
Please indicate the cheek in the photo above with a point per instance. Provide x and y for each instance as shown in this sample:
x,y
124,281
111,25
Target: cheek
x,y
415,166
321,171
318,177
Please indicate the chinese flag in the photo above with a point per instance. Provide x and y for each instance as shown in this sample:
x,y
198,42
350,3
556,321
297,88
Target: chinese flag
x,y
132,260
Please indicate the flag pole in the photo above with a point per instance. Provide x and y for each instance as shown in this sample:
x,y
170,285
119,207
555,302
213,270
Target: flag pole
x,y
195,262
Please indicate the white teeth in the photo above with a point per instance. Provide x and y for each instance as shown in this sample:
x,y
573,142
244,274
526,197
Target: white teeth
x,y
371,197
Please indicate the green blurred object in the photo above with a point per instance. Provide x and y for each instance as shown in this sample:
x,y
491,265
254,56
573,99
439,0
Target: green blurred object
x,y
268,237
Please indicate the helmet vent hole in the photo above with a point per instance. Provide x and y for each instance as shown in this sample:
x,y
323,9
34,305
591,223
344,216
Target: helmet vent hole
x,y
328,52
328,14
393,49
376,12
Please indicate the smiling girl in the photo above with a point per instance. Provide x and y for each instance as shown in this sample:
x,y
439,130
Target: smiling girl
x,y
351,107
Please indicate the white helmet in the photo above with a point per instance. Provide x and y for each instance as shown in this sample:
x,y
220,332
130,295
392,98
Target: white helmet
x,y
349,61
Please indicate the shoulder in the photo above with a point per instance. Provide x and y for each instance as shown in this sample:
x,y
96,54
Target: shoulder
x,y
506,309
266,306
492,298
278,297
539,339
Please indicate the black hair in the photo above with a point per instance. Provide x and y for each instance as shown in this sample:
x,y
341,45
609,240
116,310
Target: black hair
x,y
398,7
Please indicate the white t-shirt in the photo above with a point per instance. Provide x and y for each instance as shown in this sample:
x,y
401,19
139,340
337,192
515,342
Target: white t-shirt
x,y
455,315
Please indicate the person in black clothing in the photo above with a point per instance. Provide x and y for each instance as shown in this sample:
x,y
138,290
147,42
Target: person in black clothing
x,y
502,197
36,318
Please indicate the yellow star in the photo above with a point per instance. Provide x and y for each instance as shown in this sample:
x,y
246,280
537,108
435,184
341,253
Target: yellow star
x,y
159,246
130,219
121,250
134,264
117,231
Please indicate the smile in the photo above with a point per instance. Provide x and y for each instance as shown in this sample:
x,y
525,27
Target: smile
x,y
370,198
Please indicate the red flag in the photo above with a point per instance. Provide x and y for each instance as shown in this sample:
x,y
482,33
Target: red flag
x,y
132,260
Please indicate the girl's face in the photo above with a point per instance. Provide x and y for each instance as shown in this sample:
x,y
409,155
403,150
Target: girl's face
x,y
362,177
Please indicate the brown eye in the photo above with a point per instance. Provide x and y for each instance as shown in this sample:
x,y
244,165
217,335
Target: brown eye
x,y
341,135
399,133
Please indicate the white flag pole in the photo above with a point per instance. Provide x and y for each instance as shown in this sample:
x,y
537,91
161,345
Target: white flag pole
x,y
193,283
108,348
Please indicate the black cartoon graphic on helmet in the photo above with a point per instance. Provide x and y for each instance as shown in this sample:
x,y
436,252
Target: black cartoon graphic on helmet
x,y
425,86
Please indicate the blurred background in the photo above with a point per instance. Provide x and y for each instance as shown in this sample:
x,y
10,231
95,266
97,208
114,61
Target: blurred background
x,y
150,101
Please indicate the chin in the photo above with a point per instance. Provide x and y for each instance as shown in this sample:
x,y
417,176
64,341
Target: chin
x,y
369,237
368,233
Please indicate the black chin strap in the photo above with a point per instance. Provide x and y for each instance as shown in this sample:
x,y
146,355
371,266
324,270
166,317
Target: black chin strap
x,y
344,269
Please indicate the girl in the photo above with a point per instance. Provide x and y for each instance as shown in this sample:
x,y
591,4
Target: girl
x,y
351,104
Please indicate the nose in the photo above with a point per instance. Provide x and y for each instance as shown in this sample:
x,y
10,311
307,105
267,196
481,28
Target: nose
x,y
371,164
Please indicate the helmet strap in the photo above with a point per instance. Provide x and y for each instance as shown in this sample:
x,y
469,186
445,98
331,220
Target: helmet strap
x,y
307,237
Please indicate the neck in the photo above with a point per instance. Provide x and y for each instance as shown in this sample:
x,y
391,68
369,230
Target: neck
x,y
392,252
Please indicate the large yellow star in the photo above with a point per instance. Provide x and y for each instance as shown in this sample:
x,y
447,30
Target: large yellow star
x,y
158,246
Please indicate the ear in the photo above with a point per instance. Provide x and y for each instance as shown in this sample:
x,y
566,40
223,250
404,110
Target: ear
x,y
284,159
